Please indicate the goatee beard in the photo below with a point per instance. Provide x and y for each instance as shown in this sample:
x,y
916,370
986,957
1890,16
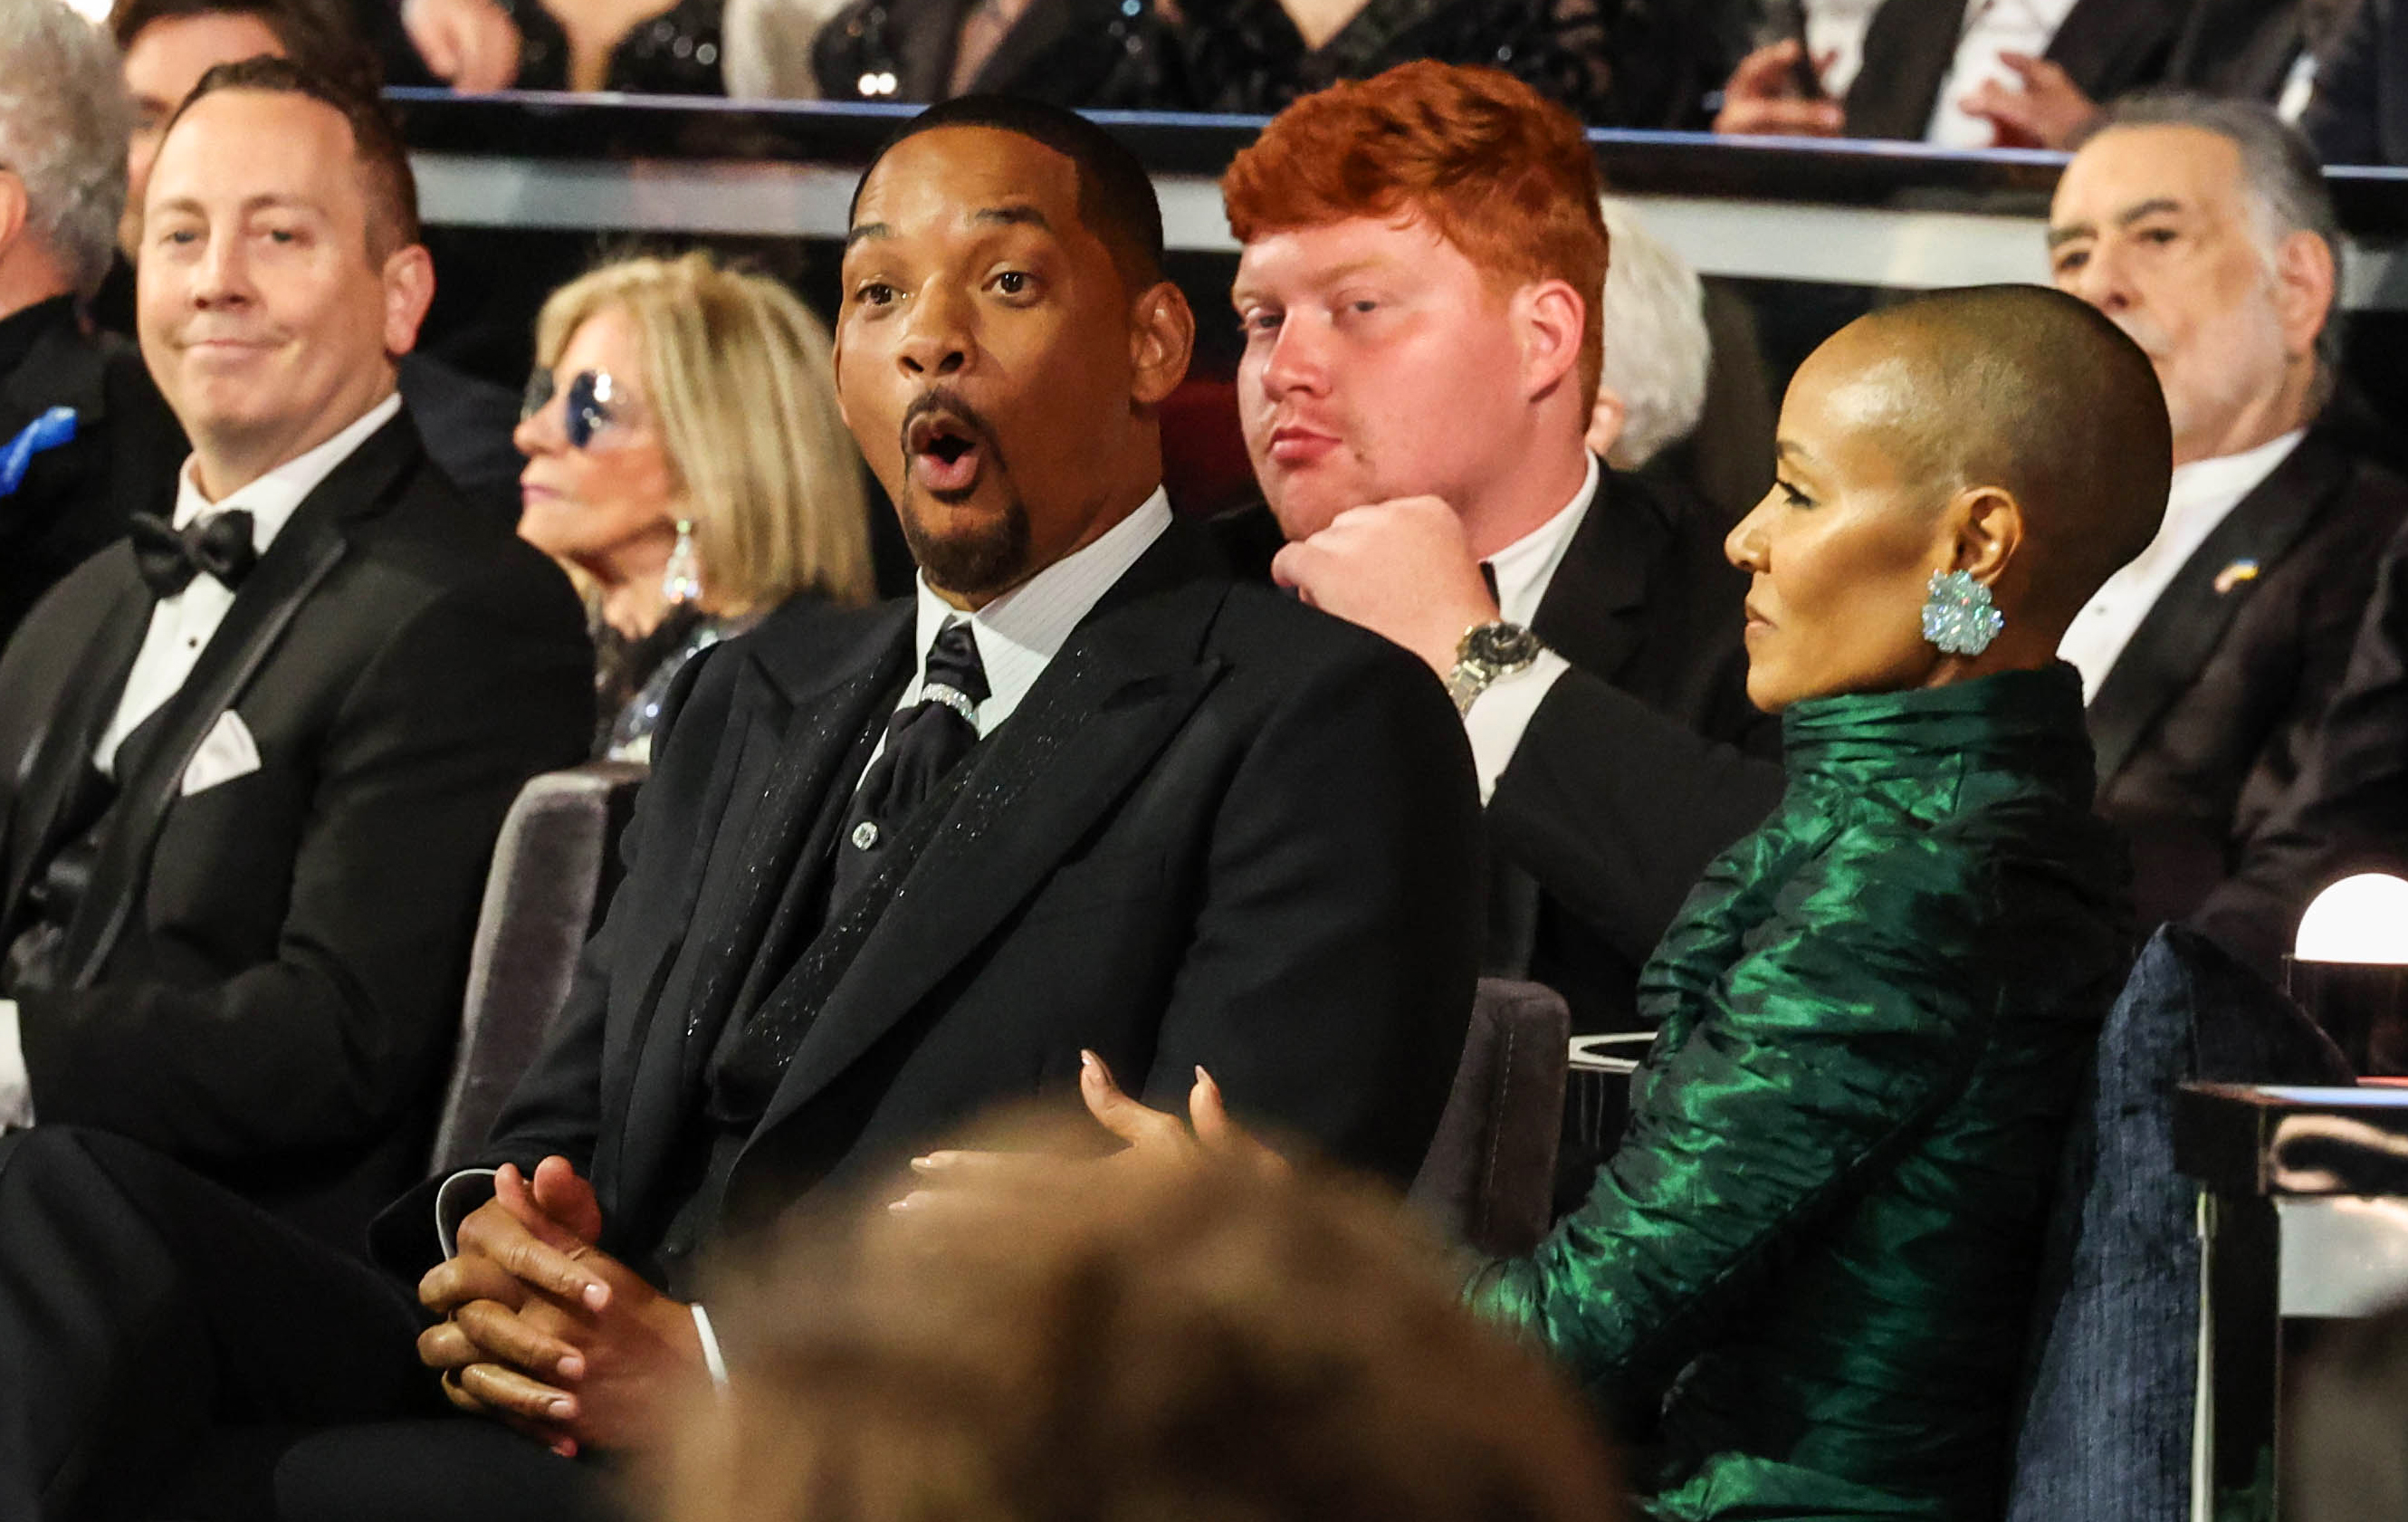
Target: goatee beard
x,y
974,561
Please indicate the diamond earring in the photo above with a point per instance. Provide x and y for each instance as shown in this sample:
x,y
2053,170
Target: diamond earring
x,y
681,578
1957,616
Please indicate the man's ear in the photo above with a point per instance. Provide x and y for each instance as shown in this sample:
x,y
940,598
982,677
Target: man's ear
x,y
1162,339
2306,280
408,276
1986,523
1550,317
13,210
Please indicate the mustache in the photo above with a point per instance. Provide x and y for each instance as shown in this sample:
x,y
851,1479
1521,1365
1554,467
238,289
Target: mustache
x,y
954,406
2141,331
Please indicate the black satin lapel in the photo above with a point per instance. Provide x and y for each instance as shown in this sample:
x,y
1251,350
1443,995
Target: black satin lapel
x,y
69,738
2171,649
1591,612
1908,50
257,619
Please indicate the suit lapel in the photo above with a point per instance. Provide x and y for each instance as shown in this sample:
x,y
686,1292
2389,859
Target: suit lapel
x,y
2109,46
59,370
804,697
2170,651
1591,614
311,545
1126,681
54,766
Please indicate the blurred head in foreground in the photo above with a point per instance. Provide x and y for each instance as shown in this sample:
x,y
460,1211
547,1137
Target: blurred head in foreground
x,y
1152,1343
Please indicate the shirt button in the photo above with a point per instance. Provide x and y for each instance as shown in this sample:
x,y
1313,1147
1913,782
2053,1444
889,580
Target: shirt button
x,y
865,835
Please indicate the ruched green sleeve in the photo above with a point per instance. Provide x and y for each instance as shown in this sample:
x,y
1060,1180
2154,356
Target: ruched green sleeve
x,y
1804,1042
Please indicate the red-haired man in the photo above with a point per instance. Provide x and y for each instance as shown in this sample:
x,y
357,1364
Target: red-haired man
x,y
1424,254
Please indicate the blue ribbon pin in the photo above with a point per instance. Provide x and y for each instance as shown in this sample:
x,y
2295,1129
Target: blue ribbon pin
x,y
49,431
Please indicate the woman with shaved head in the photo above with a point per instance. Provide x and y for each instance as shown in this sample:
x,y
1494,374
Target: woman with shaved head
x,y
1803,1281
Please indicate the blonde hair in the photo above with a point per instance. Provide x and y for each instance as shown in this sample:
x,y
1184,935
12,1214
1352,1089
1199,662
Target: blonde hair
x,y
738,375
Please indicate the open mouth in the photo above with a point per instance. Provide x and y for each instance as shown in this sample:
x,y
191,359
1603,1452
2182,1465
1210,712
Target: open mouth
x,y
946,452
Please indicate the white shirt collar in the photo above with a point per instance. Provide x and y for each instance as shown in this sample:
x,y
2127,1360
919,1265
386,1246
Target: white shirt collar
x,y
271,500
1023,630
1524,568
2201,497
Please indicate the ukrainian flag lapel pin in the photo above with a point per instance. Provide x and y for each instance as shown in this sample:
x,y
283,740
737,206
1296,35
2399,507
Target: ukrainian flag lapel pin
x,y
2234,575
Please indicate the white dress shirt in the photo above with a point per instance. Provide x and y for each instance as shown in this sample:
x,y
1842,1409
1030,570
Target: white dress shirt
x,y
1018,636
1836,29
1524,569
1992,27
181,627
2203,495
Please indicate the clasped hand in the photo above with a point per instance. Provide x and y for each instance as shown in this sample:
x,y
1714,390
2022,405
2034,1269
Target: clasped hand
x,y
544,1331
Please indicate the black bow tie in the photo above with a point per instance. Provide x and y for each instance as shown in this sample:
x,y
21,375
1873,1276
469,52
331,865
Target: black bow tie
x,y
169,557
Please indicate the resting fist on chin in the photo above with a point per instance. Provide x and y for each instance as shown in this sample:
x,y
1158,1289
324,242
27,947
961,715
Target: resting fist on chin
x,y
1402,569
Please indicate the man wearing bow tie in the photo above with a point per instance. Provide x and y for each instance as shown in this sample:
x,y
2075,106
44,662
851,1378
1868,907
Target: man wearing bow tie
x,y
254,758
84,439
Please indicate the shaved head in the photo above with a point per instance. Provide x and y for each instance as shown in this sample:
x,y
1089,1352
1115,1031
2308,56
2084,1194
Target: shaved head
x,y
2032,392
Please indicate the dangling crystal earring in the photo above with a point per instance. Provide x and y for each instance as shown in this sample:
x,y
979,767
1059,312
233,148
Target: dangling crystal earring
x,y
681,578
1957,616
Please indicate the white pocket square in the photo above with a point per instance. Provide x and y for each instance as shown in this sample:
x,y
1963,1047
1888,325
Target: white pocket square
x,y
229,752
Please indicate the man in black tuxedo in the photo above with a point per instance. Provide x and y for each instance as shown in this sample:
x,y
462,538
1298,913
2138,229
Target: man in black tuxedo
x,y
1580,614
85,442
1084,794
255,757
2359,113
2203,229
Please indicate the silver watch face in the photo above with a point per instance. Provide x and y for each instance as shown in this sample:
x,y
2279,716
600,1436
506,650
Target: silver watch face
x,y
1501,645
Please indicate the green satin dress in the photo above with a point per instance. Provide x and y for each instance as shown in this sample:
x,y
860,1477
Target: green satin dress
x,y
1803,1284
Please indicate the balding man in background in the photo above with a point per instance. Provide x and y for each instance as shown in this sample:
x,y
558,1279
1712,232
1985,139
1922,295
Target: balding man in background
x,y
85,441
2203,229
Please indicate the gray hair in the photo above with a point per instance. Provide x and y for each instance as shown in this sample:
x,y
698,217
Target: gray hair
x,y
2281,176
1656,349
63,123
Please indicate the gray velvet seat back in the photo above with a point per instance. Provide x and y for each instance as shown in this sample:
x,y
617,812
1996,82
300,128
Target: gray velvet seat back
x,y
1489,1176
554,865
2106,1434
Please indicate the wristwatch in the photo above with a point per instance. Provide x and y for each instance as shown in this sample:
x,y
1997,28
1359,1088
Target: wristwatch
x,y
1485,653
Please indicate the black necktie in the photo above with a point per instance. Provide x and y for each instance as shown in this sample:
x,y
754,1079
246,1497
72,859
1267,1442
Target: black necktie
x,y
923,741
217,545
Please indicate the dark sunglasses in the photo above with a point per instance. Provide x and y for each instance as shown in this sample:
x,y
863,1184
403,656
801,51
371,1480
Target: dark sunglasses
x,y
593,403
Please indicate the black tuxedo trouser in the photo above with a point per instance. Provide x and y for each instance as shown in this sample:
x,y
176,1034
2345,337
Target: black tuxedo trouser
x,y
167,1350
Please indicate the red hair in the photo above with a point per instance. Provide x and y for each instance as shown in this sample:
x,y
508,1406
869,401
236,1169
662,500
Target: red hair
x,y
1496,168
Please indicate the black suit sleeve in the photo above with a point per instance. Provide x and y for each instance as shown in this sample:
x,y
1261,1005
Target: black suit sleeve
x,y
2347,812
1619,810
1329,980
330,1045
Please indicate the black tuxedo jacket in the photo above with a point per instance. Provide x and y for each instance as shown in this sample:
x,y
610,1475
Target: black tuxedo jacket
x,y
2203,724
78,496
264,975
1222,828
2108,47
1642,602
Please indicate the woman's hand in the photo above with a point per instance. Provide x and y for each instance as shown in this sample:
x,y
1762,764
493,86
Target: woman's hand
x,y
1155,1138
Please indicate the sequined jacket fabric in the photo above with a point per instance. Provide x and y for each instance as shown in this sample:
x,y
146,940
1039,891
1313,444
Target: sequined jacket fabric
x,y
1805,1280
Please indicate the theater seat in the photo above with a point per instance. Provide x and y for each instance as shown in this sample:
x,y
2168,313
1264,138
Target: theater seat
x,y
1489,1177
2106,1427
554,865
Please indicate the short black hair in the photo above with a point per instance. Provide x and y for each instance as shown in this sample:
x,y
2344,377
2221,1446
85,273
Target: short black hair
x,y
311,33
376,148
1116,200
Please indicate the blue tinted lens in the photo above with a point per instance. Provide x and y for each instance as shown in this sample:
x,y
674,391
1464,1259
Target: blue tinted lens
x,y
589,406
